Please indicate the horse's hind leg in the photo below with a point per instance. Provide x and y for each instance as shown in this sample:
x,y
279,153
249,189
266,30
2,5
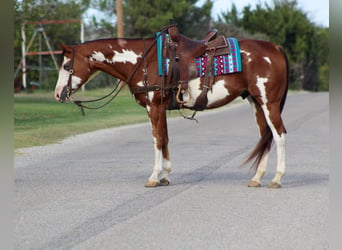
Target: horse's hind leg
x,y
261,121
274,121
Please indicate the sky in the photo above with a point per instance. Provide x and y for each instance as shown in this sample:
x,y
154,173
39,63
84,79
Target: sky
x,y
317,10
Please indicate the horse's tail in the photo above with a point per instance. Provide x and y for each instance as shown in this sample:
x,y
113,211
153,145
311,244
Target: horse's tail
x,y
265,142
283,99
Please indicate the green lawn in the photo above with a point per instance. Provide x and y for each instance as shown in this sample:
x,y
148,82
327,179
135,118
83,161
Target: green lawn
x,y
40,120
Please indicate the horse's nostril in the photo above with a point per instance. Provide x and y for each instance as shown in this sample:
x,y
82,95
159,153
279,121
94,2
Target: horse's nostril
x,y
64,94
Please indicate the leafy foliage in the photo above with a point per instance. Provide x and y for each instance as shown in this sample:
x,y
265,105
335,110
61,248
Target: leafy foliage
x,y
287,25
282,22
42,10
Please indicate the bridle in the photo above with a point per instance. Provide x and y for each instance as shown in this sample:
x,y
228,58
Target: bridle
x,y
79,103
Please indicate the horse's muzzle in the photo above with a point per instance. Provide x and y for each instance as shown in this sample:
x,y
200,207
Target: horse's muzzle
x,y
62,96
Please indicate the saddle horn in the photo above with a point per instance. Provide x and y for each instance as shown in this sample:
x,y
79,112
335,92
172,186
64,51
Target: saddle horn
x,y
173,31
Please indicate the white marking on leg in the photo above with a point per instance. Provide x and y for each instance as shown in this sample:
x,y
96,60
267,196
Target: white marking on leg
x,y
279,139
166,170
261,169
125,56
267,59
158,161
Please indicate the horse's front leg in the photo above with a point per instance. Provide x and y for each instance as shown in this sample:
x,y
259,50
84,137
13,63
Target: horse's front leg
x,y
162,163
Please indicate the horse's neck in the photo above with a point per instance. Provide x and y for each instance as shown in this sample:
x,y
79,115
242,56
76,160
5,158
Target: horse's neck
x,y
117,57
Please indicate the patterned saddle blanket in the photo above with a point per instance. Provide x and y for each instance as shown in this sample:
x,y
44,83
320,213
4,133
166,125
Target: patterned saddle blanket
x,y
223,64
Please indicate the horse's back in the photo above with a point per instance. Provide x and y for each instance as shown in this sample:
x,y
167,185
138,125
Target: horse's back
x,y
260,50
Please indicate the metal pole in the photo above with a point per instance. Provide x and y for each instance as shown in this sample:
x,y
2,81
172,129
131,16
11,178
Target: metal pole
x,y
50,49
82,32
82,41
23,51
40,58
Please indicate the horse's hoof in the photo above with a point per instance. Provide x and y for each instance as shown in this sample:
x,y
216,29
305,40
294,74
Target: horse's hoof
x,y
274,185
254,184
151,184
164,182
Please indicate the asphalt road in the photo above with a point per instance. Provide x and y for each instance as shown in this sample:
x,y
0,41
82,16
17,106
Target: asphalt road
x,y
88,191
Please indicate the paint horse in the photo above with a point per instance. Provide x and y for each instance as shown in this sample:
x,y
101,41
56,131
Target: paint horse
x,y
263,81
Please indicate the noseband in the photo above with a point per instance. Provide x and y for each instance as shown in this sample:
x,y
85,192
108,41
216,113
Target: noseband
x,y
70,68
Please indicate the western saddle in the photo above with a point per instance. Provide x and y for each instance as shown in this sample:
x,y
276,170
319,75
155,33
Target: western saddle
x,y
182,51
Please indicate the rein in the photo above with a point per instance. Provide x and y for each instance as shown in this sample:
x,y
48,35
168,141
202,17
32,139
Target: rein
x,y
80,104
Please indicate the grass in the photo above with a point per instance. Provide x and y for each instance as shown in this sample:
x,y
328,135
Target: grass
x,y
40,120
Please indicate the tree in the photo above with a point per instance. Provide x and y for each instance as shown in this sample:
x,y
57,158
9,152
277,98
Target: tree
x,y
145,17
42,10
287,25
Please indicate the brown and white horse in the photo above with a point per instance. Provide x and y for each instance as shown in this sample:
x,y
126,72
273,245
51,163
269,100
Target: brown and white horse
x,y
264,80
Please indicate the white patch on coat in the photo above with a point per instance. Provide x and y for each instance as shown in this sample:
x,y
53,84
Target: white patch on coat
x,y
150,95
192,93
267,59
125,56
140,84
218,92
63,76
261,86
99,56
247,54
75,82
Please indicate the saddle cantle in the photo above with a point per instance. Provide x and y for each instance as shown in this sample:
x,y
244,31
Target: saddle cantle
x,y
195,48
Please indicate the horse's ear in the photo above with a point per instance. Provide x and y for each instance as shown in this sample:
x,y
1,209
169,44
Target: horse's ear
x,y
64,47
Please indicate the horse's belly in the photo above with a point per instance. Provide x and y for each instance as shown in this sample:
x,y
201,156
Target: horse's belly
x,y
218,93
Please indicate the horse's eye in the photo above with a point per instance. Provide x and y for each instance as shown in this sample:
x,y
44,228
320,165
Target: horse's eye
x,y
67,66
